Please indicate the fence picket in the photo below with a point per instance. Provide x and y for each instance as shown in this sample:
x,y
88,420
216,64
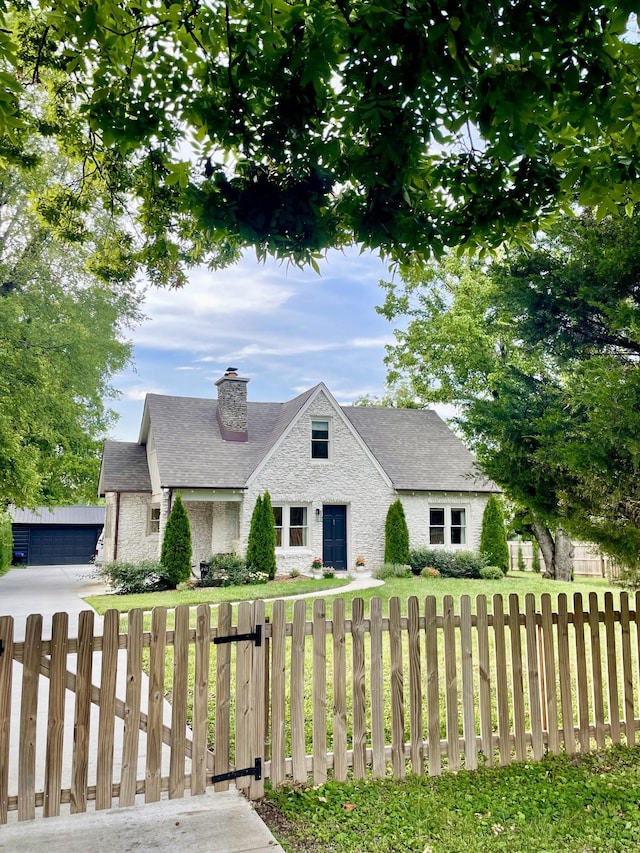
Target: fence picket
x,y
564,672
157,643
550,691
535,697
629,721
6,679
278,691
179,701
433,687
397,689
596,670
358,687
581,674
451,683
258,722
319,692
55,724
107,718
82,714
379,767
612,669
201,700
131,738
340,764
484,678
415,688
244,667
468,691
298,752
502,687
221,758
28,718
517,677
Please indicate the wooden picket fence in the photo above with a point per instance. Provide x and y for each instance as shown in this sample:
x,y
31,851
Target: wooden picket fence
x,y
427,689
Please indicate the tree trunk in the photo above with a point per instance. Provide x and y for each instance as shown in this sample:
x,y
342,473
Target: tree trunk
x,y
547,547
564,556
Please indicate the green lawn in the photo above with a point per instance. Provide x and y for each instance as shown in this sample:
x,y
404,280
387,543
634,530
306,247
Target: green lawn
x,y
585,804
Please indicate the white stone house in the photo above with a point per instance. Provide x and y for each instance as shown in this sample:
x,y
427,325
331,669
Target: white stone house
x,y
331,471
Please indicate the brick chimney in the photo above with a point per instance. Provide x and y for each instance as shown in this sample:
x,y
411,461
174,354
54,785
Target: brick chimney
x,y
232,406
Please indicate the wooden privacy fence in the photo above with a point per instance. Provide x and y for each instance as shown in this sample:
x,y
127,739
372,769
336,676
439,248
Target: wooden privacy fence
x,y
424,687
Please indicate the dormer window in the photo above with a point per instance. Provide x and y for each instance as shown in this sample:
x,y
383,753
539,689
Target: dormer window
x,y
319,439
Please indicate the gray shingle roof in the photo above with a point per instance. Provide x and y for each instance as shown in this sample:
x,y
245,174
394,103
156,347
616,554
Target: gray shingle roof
x,y
415,447
124,468
58,515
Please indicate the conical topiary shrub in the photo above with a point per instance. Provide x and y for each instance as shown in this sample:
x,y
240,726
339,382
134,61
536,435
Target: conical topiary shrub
x,y
175,556
493,539
396,535
261,546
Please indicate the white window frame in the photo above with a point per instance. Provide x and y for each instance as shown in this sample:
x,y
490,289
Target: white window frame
x,y
448,526
153,521
321,460
287,527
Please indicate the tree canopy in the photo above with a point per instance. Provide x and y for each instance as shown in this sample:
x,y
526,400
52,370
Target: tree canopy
x,y
292,127
63,312
540,354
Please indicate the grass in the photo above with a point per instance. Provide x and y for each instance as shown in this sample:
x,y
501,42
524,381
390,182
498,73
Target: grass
x,y
579,804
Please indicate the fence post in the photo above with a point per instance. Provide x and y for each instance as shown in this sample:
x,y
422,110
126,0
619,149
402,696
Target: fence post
x,y
6,673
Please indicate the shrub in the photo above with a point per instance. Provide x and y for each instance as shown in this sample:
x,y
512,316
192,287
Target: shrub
x,y
230,570
396,532
261,546
430,572
450,564
521,563
294,573
491,573
535,563
328,573
6,542
128,578
392,570
493,539
176,546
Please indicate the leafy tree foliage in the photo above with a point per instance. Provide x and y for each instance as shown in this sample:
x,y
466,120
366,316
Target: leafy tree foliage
x,y
398,126
396,535
493,537
261,546
64,307
6,542
175,556
540,355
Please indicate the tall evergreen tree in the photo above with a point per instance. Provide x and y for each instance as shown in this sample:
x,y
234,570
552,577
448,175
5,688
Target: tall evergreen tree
x,y
396,544
493,538
261,546
175,556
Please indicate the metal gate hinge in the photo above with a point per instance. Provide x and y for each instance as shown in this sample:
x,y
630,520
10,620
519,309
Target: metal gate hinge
x,y
255,637
255,771
1,647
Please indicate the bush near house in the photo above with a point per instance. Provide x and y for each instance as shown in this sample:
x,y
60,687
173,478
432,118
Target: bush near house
x,y
392,570
396,535
493,538
176,547
130,578
6,543
229,570
450,564
261,546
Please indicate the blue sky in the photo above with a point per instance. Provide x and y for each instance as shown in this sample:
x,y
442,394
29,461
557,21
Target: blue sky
x,y
286,329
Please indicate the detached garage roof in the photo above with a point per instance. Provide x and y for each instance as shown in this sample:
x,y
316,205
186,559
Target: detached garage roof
x,y
69,515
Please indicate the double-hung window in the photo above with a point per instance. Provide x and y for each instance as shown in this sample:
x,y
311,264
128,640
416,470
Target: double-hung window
x,y
153,519
319,439
447,526
291,526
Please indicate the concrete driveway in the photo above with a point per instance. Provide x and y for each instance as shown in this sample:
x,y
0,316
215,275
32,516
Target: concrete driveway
x,y
211,823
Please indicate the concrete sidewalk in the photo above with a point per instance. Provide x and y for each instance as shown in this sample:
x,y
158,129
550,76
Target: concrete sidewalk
x,y
211,823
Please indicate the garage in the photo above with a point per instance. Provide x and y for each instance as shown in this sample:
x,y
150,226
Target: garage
x,y
50,536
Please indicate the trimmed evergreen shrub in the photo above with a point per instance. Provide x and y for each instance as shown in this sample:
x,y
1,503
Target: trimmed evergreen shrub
x,y
261,546
493,539
450,564
129,578
491,573
535,563
229,570
396,533
521,563
6,542
176,547
392,570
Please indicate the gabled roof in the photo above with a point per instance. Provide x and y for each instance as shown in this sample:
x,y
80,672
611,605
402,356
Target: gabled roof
x,y
414,447
418,450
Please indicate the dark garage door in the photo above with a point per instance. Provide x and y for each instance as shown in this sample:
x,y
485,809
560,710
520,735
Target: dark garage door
x,y
50,546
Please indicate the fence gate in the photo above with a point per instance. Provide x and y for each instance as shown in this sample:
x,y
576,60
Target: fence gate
x,y
115,713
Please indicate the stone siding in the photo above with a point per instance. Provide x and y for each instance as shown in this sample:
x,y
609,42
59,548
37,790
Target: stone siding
x,y
417,506
134,544
200,516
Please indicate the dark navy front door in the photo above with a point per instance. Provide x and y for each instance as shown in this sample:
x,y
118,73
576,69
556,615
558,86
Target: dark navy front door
x,y
334,537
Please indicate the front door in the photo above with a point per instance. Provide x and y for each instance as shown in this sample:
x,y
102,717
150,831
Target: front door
x,y
334,537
